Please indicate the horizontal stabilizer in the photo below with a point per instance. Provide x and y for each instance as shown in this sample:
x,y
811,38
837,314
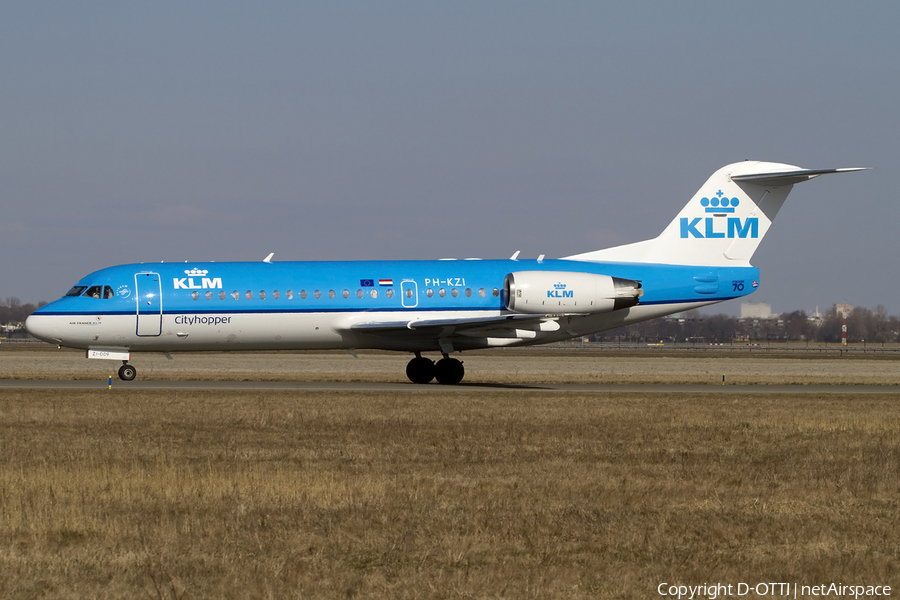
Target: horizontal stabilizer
x,y
790,177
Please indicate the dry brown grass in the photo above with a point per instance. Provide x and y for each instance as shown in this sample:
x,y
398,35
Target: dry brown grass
x,y
430,494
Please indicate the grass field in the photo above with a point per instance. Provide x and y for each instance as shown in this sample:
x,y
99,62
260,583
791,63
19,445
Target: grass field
x,y
436,494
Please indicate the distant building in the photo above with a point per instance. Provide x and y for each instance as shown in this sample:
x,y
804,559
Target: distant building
x,y
756,310
843,309
815,318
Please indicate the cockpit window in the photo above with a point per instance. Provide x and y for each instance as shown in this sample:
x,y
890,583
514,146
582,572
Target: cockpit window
x,y
76,291
96,291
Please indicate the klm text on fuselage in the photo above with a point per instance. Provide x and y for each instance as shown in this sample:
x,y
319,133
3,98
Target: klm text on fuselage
x,y
187,283
700,227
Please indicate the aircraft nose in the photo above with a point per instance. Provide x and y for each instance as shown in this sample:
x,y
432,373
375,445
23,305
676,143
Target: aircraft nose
x,y
42,327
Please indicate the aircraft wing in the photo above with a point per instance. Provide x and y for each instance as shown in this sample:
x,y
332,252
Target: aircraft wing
x,y
458,325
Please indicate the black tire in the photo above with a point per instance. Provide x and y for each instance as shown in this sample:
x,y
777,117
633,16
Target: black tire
x,y
420,370
449,371
127,372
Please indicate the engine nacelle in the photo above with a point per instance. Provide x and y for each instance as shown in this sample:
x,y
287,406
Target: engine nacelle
x,y
537,292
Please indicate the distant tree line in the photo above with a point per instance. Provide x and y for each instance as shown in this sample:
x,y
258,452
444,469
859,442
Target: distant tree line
x,y
863,325
13,313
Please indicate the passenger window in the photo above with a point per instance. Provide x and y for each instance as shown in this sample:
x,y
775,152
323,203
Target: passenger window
x,y
481,292
262,294
468,292
317,294
409,292
374,293
454,292
222,295
331,294
290,294
249,295
346,293
496,292
209,295
360,293
442,292
195,295
429,292
389,293
235,294
275,295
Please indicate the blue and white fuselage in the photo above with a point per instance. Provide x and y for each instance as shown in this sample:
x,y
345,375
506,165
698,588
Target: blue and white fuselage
x,y
391,305
445,306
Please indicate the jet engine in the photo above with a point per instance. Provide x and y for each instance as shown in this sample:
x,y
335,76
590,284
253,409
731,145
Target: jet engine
x,y
538,292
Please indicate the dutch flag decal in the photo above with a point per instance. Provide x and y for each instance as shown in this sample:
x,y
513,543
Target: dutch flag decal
x,y
385,282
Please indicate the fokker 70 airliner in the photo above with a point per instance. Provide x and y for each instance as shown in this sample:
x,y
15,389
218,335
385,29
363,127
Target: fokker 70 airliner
x,y
440,306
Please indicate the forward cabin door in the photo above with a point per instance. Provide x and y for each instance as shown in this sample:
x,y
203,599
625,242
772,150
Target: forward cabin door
x,y
149,304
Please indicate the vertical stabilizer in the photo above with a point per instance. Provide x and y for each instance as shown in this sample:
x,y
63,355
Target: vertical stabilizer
x,y
723,223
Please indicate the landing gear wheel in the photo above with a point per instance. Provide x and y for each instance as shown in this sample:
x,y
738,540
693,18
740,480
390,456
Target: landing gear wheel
x,y
449,371
420,370
127,372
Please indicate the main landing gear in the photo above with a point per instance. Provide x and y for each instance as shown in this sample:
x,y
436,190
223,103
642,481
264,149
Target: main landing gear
x,y
127,372
447,371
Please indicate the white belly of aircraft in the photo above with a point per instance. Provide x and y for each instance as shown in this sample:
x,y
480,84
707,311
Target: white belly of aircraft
x,y
281,331
196,332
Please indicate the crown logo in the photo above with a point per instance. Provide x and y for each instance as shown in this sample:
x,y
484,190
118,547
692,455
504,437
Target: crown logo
x,y
718,204
195,272
559,286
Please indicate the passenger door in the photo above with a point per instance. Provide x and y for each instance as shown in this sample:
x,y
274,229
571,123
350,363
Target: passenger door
x,y
149,304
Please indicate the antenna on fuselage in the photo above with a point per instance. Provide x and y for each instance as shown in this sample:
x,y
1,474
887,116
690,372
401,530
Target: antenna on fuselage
x,y
269,257
515,255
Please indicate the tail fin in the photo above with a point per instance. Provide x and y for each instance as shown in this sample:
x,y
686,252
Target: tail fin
x,y
723,223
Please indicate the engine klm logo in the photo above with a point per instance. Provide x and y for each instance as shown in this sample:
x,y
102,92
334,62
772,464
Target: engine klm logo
x,y
560,291
188,283
719,206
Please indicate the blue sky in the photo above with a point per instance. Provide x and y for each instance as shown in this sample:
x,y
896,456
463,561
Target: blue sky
x,y
154,131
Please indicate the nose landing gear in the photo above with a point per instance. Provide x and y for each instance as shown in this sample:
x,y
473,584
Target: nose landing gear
x,y
448,371
127,372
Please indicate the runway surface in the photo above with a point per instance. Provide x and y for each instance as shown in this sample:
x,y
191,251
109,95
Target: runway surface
x,y
434,387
